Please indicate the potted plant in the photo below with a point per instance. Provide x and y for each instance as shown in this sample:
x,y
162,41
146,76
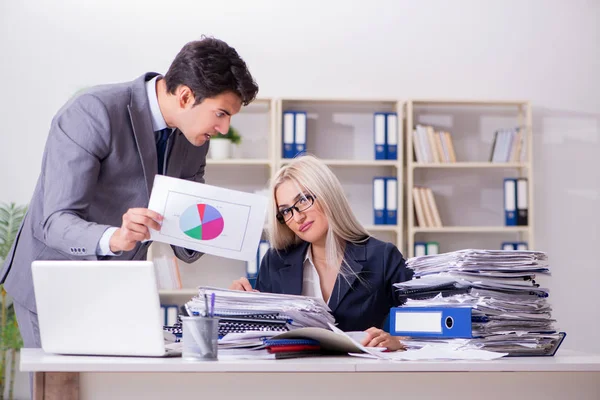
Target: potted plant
x,y
220,145
11,216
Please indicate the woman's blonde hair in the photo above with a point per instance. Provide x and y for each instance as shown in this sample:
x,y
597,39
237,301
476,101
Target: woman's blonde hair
x,y
312,176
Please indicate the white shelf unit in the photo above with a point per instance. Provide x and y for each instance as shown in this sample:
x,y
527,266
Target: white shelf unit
x,y
340,132
482,117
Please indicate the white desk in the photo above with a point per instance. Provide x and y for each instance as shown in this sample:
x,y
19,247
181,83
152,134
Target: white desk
x,y
568,375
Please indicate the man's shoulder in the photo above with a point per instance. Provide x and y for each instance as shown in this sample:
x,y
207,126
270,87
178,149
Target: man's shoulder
x,y
115,93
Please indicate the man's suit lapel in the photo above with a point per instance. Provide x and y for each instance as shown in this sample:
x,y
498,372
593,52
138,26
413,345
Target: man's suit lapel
x,y
354,255
141,122
290,275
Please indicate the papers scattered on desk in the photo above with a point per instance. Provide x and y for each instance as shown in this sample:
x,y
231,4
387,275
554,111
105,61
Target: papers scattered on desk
x,y
436,352
510,311
226,223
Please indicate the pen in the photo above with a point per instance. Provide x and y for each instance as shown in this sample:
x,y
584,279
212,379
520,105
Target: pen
x,y
205,305
212,305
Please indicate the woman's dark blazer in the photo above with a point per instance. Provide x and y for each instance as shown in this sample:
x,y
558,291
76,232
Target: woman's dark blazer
x,y
357,304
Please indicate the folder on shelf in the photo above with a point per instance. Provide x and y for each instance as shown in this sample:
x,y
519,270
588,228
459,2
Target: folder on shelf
x,y
432,322
510,202
522,202
170,314
300,133
426,248
433,248
515,246
379,201
420,249
163,311
288,134
507,246
379,122
391,130
391,201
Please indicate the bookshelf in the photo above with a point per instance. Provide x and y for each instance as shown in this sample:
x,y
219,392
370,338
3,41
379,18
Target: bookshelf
x,y
471,125
340,133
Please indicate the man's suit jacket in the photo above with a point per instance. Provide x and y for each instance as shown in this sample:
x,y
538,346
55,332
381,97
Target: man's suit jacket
x,y
356,304
100,160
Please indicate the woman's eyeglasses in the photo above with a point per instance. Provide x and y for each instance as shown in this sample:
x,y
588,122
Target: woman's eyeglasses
x,y
302,204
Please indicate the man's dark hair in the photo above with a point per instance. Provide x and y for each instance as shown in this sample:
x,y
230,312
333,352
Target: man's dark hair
x,y
210,67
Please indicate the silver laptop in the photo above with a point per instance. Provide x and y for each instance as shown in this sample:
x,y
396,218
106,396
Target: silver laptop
x,y
99,308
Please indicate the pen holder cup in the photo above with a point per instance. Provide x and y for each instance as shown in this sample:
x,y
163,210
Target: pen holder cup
x,y
200,338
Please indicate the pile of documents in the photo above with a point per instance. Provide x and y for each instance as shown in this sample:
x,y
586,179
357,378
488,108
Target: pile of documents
x,y
240,311
510,311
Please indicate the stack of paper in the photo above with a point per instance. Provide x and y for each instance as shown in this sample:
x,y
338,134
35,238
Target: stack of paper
x,y
510,311
296,311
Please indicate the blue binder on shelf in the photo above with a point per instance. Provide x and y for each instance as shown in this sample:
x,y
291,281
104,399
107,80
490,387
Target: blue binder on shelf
x,y
293,133
379,210
510,202
431,322
170,314
379,133
391,136
300,133
391,201
288,134
515,246
522,202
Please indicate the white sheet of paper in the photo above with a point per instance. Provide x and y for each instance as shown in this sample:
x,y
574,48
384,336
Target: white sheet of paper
x,y
210,219
444,353
435,353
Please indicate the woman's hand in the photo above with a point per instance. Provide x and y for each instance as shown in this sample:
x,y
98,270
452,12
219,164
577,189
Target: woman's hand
x,y
379,338
242,284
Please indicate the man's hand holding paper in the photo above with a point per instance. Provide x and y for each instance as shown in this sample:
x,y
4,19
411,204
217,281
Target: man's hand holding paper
x,y
209,219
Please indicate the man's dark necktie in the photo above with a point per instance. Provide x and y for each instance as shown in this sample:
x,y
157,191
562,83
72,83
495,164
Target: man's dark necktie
x,y
161,147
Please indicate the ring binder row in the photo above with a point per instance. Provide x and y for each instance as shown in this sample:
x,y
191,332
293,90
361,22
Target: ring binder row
x,y
516,202
240,324
426,248
271,316
385,200
294,133
515,246
385,132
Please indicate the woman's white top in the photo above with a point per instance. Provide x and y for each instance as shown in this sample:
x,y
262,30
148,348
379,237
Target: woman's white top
x,y
311,283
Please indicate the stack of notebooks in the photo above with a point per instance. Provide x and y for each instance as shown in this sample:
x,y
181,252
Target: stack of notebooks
x,y
508,311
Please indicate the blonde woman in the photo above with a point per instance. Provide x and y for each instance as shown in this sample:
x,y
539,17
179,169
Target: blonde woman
x,y
320,249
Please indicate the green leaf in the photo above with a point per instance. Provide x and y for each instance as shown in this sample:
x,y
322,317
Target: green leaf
x,y
11,216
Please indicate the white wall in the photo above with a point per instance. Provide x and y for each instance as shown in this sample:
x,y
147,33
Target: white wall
x,y
544,51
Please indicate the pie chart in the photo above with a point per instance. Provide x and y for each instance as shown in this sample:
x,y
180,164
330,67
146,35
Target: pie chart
x,y
201,222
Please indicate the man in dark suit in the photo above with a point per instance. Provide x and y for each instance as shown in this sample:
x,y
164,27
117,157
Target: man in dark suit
x,y
103,150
